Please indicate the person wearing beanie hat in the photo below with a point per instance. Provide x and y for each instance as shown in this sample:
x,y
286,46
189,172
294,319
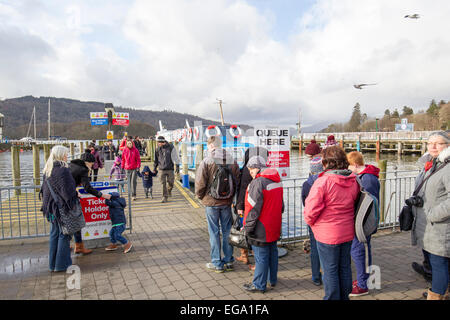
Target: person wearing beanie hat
x,y
313,149
79,168
262,222
330,141
160,139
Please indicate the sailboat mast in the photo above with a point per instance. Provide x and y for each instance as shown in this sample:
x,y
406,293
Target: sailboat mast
x,y
34,118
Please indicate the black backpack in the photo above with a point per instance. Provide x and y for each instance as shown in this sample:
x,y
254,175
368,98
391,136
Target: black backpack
x,y
223,185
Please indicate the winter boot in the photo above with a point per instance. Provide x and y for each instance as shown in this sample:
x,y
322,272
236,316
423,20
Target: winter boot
x,y
434,296
79,248
244,256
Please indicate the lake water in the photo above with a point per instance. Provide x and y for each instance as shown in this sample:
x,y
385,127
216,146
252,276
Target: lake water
x,y
293,224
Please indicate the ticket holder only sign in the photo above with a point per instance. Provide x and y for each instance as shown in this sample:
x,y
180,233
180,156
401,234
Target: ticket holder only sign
x,y
277,141
96,212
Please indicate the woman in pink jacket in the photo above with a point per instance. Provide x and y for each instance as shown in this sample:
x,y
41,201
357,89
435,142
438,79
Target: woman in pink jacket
x,y
131,162
329,211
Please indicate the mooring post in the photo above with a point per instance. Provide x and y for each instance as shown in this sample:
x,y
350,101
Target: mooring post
x,y
378,147
15,166
399,148
198,155
341,142
382,164
300,144
72,150
424,147
46,152
184,161
36,166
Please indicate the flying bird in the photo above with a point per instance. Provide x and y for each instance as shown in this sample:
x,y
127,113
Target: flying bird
x,y
412,16
360,86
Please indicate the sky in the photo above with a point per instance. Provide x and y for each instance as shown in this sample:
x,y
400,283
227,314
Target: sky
x,y
267,60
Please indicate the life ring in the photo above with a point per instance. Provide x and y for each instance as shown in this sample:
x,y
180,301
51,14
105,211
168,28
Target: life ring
x,y
232,133
196,133
218,133
183,135
189,134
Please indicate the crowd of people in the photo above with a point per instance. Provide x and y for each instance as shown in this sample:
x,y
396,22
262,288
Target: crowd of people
x,y
254,195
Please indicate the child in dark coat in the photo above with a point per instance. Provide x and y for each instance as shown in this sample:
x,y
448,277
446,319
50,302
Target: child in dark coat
x,y
147,180
117,214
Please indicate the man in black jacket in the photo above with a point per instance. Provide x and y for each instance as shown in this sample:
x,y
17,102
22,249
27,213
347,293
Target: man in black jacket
x,y
166,158
80,172
109,151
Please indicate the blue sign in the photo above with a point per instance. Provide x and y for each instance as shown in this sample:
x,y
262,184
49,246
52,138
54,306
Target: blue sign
x,y
99,122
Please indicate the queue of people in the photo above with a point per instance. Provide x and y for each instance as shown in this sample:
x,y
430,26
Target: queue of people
x,y
329,196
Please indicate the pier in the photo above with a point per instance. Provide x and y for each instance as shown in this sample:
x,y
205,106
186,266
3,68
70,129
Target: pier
x,y
378,142
171,247
170,250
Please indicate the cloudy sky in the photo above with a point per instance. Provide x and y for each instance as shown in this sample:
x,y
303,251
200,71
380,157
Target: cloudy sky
x,y
266,59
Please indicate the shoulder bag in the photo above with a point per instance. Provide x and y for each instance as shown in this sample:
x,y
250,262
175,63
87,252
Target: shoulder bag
x,y
237,238
70,221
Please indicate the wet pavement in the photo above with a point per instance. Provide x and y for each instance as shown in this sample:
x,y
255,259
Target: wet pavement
x,y
170,250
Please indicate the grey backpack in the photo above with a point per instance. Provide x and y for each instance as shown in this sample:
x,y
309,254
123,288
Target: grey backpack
x,y
367,217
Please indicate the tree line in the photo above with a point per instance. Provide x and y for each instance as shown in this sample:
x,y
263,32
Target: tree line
x,y
435,117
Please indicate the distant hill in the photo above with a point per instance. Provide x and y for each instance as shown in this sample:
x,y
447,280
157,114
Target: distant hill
x,y
17,112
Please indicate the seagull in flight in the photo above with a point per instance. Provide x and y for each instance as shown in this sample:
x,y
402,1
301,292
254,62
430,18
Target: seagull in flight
x,y
412,16
360,86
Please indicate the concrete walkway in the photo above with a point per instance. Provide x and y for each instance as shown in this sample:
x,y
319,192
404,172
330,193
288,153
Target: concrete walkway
x,y
170,250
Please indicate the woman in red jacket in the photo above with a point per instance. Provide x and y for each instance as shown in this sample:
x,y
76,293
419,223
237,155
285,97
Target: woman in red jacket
x,y
329,211
131,162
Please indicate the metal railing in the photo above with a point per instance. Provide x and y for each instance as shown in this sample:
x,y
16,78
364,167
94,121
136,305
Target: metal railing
x,y
398,187
21,216
413,135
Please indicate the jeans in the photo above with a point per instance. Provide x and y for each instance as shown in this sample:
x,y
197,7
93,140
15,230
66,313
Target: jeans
x,y
116,234
148,190
337,270
214,215
59,249
132,180
439,271
266,265
314,256
358,252
167,177
77,237
426,261
94,174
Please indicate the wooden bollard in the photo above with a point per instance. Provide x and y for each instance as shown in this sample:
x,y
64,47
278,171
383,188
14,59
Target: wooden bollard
x,y
198,154
80,145
300,144
382,164
36,166
15,167
399,148
424,147
341,143
72,150
47,149
378,148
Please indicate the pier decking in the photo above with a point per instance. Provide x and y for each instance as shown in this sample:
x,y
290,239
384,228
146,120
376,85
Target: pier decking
x,y
170,250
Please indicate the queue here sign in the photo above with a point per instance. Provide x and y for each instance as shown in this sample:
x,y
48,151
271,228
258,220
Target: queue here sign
x,y
277,141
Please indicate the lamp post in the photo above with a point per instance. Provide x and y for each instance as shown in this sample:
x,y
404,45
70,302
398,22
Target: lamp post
x,y
109,108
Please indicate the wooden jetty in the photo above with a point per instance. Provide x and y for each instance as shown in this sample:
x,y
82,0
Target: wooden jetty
x,y
379,142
